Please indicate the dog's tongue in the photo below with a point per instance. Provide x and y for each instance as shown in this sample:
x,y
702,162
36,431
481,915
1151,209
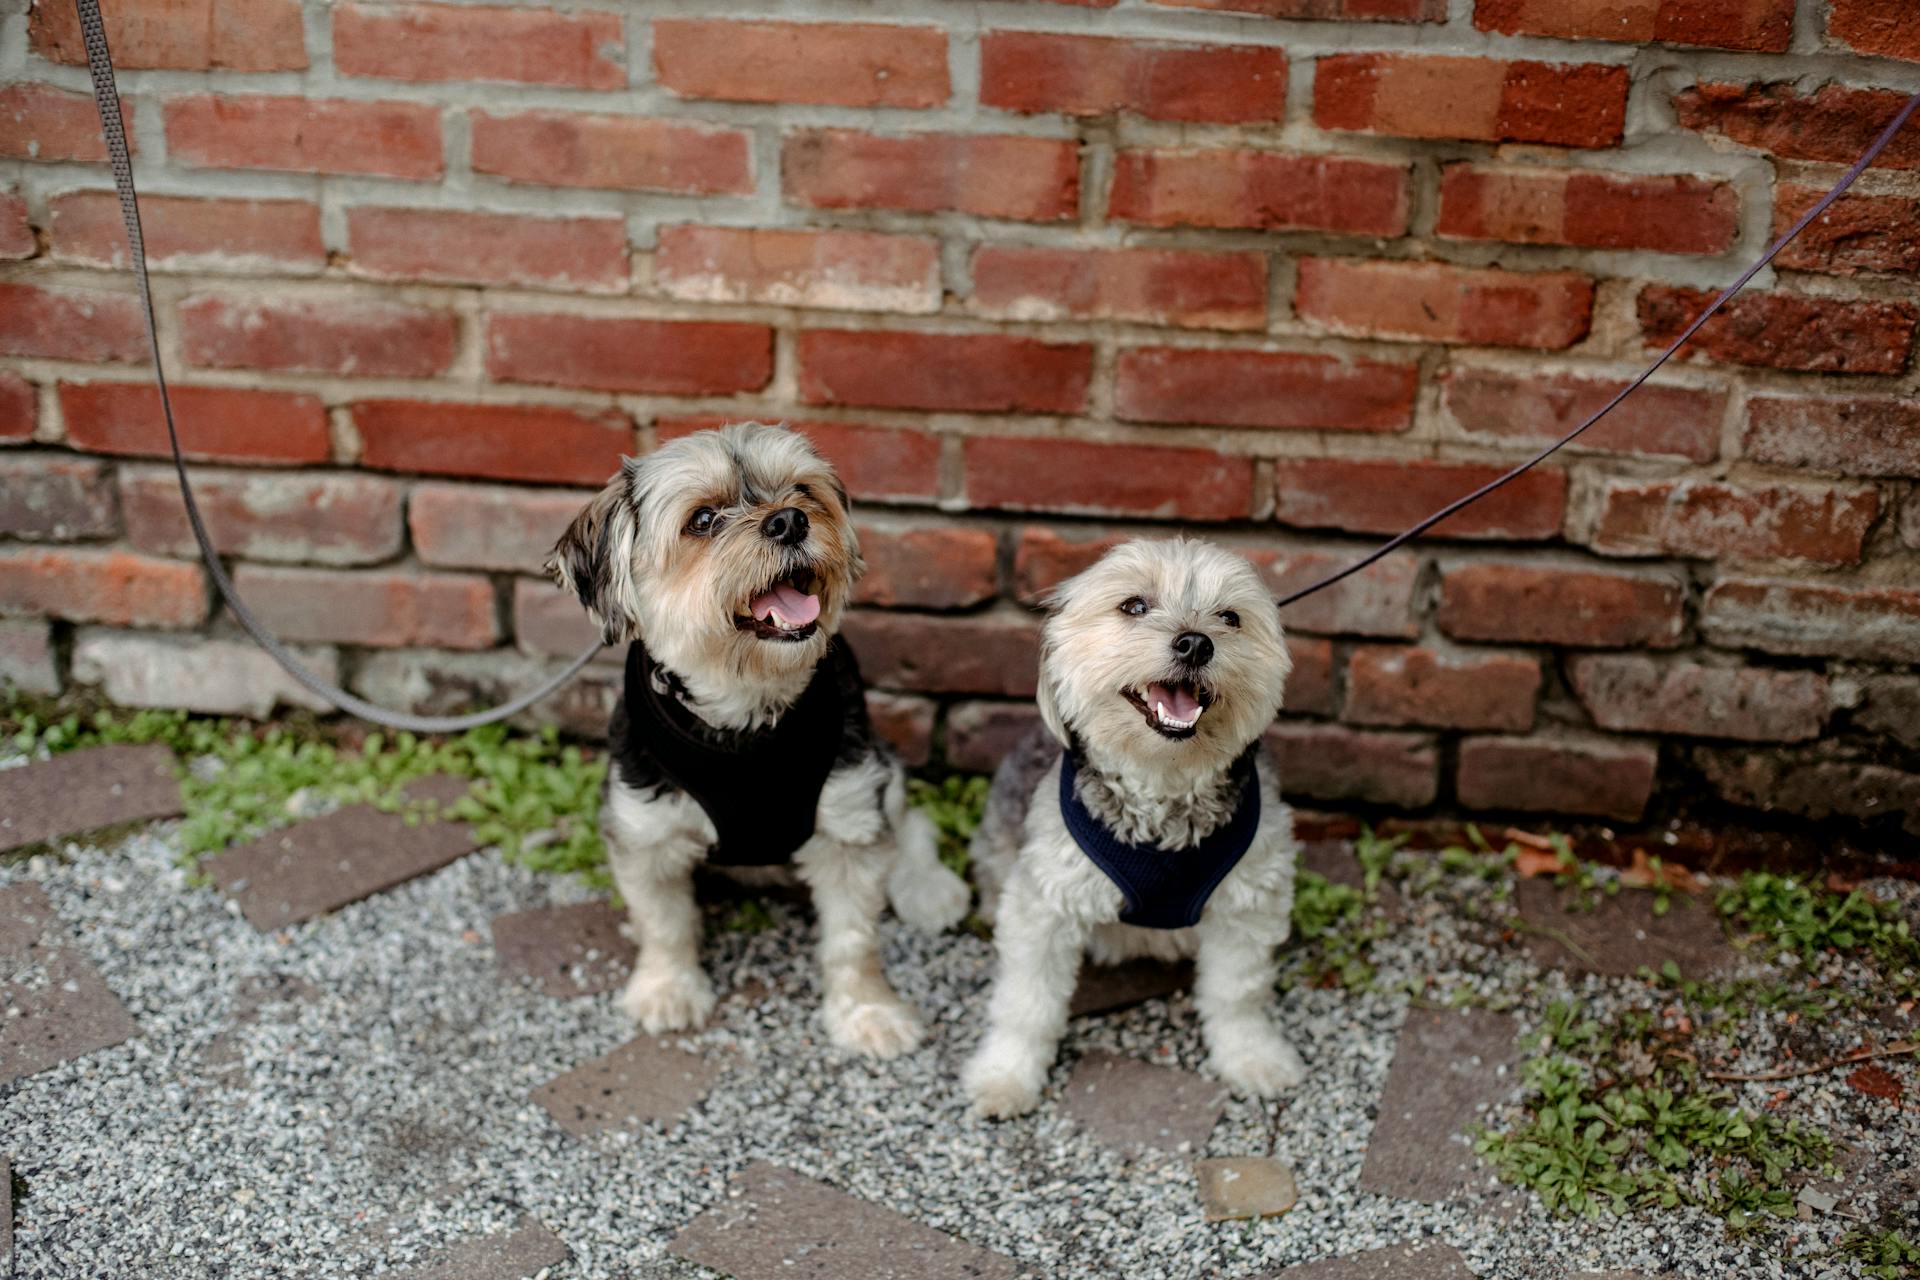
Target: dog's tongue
x,y
1177,701
789,605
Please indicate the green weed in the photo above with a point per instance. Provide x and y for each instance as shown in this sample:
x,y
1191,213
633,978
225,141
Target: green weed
x,y
955,803
1886,1255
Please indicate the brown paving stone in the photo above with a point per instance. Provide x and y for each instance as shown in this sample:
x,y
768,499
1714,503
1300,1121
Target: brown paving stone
x,y
643,1081
82,791
516,1255
1106,987
311,868
1432,1261
1132,1105
1621,933
776,1224
54,1005
1448,1067
1244,1187
566,951
1334,859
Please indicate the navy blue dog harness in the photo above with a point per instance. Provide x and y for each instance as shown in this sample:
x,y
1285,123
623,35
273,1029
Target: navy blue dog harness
x,y
1165,889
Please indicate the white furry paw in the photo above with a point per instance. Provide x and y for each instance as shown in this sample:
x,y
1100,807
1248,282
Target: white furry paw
x,y
931,899
668,999
877,1029
1000,1087
1261,1067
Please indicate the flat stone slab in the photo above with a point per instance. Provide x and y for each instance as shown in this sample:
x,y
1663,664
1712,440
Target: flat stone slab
x,y
1104,988
1621,933
1133,1105
565,951
1450,1065
1432,1261
311,868
54,1005
81,791
1244,1187
776,1224
644,1081
517,1255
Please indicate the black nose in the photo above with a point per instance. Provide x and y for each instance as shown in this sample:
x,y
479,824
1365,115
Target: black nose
x,y
787,525
1193,648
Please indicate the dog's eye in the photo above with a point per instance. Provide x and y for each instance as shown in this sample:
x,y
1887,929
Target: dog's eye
x,y
703,522
1134,607
1231,618
802,491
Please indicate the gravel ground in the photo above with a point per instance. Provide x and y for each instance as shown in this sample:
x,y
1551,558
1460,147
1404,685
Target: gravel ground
x,y
381,1112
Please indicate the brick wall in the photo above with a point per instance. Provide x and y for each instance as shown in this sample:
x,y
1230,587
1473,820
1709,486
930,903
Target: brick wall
x,y
1289,273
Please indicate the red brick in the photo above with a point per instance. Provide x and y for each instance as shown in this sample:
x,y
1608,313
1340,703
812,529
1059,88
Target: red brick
x,y
847,64
1482,99
1872,623
1281,389
1833,123
1149,286
1727,24
1330,762
1534,603
1386,495
1587,210
982,734
1862,436
904,723
186,234
355,338
1875,26
1044,557
1037,71
1329,10
1261,190
1604,777
992,653
1431,301
1910,522
39,122
1627,692
939,567
384,610
622,153
1310,688
1656,420
584,50
304,135
1779,330
116,587
1107,479
16,236
548,621
1856,235
992,176
488,248
27,657
18,407
52,497
617,353
1892,707
841,270
492,441
216,424
974,373
873,462
179,35
319,517
1376,601
70,324
470,526
1814,788
1409,685
1826,524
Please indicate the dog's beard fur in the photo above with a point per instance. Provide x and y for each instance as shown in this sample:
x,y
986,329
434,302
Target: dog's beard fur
x,y
643,574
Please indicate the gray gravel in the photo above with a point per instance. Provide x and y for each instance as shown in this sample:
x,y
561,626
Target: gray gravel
x,y
366,1124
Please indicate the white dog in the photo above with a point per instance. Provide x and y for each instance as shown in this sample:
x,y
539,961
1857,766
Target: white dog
x,y
1149,823
726,559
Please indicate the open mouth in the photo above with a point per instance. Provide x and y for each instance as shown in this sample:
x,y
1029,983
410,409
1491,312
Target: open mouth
x,y
786,610
1172,710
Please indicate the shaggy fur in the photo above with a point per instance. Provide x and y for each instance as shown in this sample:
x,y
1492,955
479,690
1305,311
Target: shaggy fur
x,y
1050,904
673,552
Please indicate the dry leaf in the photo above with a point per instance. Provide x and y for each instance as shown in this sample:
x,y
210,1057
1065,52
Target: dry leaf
x,y
1876,1081
1642,874
1529,863
1528,840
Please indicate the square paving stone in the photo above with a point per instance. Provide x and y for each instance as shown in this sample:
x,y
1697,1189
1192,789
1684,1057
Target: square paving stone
x,y
1621,933
1133,1105
643,1081
82,791
1448,1067
1432,1261
1244,1187
776,1224
1104,988
54,1005
517,1255
567,951
311,868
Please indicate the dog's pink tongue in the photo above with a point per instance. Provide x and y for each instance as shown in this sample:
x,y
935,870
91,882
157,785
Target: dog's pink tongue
x,y
1178,702
793,606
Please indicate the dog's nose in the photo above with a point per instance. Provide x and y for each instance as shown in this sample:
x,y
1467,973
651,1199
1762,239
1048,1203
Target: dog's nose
x,y
1193,648
788,525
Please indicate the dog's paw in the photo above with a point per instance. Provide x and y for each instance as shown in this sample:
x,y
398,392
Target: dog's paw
x,y
1261,1069
668,1000
1000,1088
932,900
876,1029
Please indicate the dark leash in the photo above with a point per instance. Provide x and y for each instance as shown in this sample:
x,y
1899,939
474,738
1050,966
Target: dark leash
x,y
107,98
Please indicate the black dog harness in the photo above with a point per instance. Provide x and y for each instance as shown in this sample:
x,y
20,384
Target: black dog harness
x,y
1165,889
761,788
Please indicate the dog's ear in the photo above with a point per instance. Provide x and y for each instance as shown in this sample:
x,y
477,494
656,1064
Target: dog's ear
x,y
594,558
1050,709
